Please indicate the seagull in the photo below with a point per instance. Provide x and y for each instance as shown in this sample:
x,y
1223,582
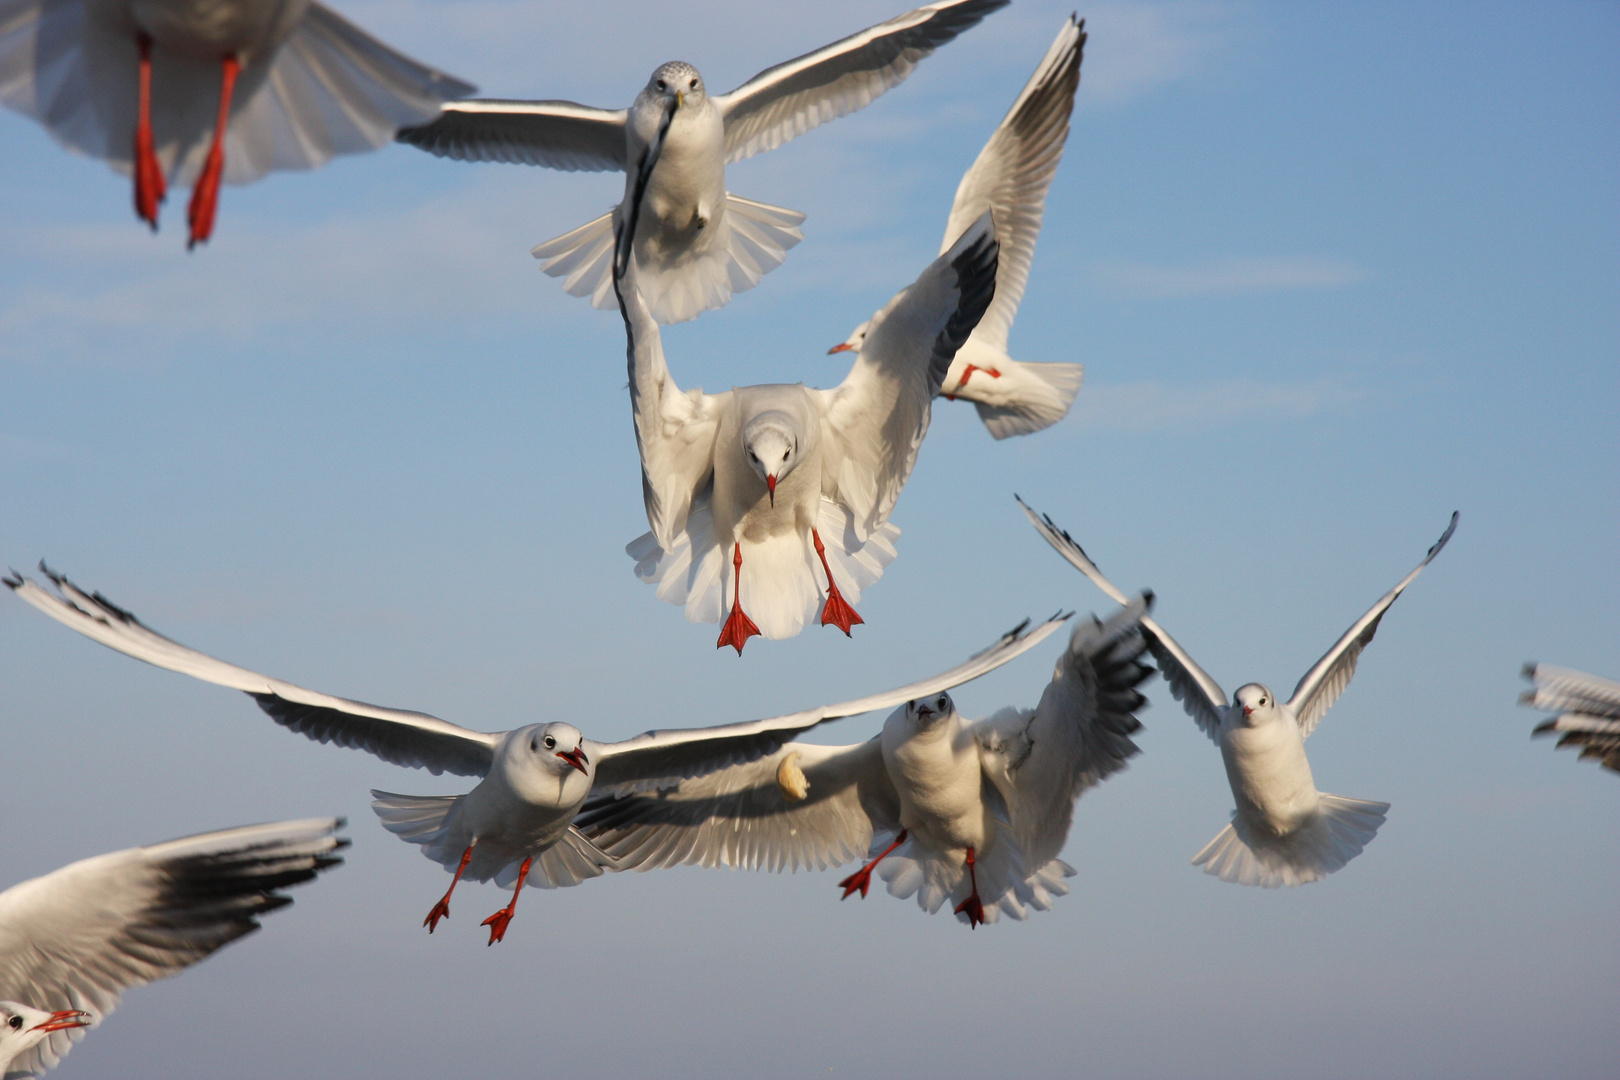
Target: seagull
x,y
73,941
1284,831
1588,708
515,825
803,477
1010,178
208,90
697,243
948,809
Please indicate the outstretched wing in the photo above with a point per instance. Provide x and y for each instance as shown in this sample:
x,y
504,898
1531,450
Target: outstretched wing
x,y
875,420
80,936
675,431
554,134
785,101
1077,736
746,817
1011,174
1588,708
413,739
1323,684
1199,694
658,758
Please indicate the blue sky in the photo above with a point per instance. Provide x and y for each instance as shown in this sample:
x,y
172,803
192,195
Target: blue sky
x,y
1334,271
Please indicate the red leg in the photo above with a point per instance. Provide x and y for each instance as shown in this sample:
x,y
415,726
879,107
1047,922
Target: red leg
x,y
739,627
205,196
498,922
862,878
441,910
149,186
972,905
967,373
836,610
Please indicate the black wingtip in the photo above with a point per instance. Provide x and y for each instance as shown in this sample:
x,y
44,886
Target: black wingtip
x,y
13,580
1528,671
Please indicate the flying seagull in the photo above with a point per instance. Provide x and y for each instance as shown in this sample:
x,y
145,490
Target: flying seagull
x,y
73,941
1284,831
750,492
948,809
696,242
1010,178
204,91
1588,708
515,825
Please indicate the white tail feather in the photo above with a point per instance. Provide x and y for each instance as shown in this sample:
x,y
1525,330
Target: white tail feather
x,y
1341,828
745,242
1005,887
1043,400
783,587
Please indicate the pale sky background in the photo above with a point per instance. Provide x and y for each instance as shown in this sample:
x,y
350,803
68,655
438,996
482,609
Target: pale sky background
x,y
1334,271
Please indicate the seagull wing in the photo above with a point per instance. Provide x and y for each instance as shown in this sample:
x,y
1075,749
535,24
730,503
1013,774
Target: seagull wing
x,y
1011,174
1323,684
1199,694
80,936
675,431
874,421
744,817
659,758
555,134
1588,708
785,101
413,739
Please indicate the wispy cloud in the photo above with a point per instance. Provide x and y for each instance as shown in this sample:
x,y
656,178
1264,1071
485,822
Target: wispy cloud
x,y
1135,48
1148,406
1227,276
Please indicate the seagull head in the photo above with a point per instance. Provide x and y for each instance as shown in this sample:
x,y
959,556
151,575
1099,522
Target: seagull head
x,y
1257,703
855,340
559,748
22,1027
928,711
771,441
677,81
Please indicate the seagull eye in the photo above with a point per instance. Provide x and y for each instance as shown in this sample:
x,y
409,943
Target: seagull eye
x,y
551,744
693,84
15,1022
662,85
784,455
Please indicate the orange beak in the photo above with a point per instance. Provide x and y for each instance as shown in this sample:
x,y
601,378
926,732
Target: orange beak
x,y
66,1018
770,484
844,347
576,758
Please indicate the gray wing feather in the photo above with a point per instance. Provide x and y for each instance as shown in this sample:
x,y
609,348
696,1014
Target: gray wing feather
x,y
554,134
1588,707
80,936
785,101
398,736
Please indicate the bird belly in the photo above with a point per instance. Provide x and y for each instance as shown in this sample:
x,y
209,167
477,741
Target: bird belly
x,y
1270,776
214,29
940,798
686,195
990,379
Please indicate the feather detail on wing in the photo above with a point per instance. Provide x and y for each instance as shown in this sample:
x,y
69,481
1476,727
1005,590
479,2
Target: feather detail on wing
x,y
659,758
675,431
1588,707
1011,175
1322,685
554,134
80,936
874,421
785,101
742,817
1041,761
412,739
1199,694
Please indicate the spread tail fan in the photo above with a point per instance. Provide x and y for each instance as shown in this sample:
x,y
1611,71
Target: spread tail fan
x,y
1044,399
1341,828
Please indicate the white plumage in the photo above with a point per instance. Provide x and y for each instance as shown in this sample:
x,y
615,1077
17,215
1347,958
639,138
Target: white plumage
x,y
515,825
1284,831
1010,179
776,499
1588,710
308,84
974,813
696,243
73,941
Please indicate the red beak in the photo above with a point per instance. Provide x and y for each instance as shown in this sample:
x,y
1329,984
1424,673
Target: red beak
x,y
845,347
576,758
770,483
67,1018
1247,710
